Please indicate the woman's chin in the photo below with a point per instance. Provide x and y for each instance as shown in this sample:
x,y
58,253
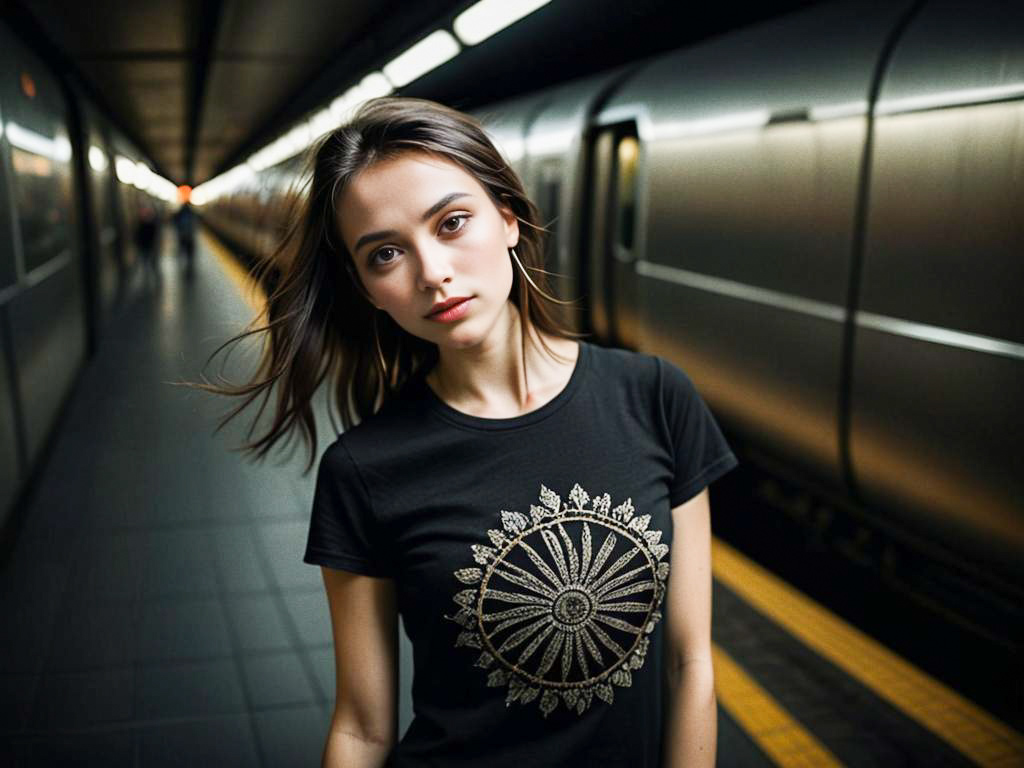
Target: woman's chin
x,y
459,340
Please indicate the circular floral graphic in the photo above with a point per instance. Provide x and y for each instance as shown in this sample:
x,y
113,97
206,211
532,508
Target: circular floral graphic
x,y
564,600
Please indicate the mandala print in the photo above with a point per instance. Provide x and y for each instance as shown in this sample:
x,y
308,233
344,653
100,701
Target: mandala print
x,y
564,600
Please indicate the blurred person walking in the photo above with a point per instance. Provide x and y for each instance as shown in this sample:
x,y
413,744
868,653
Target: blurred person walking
x,y
146,231
185,221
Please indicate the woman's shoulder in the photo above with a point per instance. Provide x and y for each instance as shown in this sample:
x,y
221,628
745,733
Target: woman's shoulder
x,y
646,375
624,365
395,419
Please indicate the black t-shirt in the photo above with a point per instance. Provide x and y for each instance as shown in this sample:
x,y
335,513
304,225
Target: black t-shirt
x,y
531,556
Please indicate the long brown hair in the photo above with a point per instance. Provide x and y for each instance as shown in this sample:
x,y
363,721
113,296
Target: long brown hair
x,y
320,323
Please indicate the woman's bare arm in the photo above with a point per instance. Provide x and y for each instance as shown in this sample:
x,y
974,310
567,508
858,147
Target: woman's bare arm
x,y
364,621
691,721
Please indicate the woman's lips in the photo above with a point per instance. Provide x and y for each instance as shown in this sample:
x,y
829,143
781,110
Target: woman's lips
x,y
453,312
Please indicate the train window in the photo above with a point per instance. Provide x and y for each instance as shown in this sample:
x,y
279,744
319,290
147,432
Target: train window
x,y
40,166
628,150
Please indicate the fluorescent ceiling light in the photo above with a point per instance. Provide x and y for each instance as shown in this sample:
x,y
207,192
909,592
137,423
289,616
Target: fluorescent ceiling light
x,y
430,52
322,122
482,20
225,184
304,134
299,137
289,145
375,84
160,187
58,148
98,159
370,87
342,106
142,175
270,155
125,169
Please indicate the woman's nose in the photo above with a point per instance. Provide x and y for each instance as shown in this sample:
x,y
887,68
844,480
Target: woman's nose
x,y
435,266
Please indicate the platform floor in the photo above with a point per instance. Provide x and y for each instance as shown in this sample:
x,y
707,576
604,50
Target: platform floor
x,y
156,609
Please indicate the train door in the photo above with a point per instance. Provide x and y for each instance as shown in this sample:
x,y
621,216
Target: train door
x,y
611,236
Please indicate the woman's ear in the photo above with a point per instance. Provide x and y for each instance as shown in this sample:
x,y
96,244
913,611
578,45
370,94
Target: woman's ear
x,y
511,227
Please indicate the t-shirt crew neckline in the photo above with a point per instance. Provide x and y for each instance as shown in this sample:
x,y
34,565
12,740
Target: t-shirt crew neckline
x,y
460,418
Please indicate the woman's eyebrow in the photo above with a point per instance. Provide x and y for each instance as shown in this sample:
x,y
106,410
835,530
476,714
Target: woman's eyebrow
x,y
369,238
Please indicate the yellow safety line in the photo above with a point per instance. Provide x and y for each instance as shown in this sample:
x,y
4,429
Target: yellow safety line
x,y
247,287
969,729
783,739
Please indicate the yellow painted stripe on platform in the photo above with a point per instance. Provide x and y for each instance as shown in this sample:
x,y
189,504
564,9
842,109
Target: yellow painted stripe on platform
x,y
247,287
966,727
783,739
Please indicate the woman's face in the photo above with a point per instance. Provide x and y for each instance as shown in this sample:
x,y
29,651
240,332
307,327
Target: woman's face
x,y
421,230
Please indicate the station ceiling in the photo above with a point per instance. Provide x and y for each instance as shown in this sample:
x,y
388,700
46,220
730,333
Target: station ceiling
x,y
201,84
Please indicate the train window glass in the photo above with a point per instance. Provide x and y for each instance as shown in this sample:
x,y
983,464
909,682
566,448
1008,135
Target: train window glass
x,y
43,201
628,150
40,163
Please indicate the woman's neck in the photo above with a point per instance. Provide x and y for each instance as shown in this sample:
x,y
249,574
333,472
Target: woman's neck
x,y
489,379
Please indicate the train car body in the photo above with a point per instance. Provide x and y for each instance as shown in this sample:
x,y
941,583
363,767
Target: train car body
x,y
817,217
42,307
65,246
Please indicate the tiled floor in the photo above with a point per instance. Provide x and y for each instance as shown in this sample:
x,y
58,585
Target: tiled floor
x,y
156,607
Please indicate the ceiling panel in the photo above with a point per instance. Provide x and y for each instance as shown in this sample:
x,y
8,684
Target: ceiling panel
x,y
151,97
111,27
165,132
310,30
244,92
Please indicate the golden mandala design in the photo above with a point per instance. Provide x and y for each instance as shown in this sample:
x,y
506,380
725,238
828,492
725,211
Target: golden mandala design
x,y
564,599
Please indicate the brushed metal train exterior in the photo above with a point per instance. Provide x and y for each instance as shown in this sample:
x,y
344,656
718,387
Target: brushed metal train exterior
x,y
819,219
64,250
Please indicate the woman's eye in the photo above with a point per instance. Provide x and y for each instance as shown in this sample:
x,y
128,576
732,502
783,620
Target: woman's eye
x,y
374,259
457,217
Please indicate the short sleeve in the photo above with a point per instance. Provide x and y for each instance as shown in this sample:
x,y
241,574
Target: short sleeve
x,y
700,452
342,530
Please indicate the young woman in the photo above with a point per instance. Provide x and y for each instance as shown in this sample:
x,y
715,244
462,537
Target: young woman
x,y
516,493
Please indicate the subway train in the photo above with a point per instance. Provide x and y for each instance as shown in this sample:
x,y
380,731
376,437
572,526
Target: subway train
x,y
72,188
819,219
